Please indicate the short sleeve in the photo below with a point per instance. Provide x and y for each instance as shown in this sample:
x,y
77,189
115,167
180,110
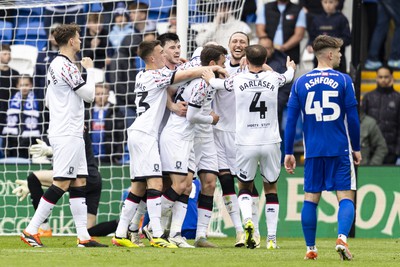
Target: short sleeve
x,y
163,77
199,94
72,76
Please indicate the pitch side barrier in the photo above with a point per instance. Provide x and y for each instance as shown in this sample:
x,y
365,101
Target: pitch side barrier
x,y
378,203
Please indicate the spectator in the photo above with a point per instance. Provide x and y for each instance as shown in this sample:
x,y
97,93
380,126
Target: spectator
x,y
106,127
23,120
64,14
387,10
44,58
383,104
224,25
249,11
95,41
277,61
373,144
121,27
191,34
314,7
8,81
333,23
285,24
138,15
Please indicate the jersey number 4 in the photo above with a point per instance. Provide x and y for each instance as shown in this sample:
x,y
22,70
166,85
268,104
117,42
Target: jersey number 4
x,y
261,108
142,104
316,108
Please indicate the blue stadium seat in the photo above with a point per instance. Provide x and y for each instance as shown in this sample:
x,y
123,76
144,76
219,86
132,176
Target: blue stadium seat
x,y
32,33
27,15
6,32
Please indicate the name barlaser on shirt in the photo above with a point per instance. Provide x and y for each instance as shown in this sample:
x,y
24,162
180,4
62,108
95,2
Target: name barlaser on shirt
x,y
321,80
249,84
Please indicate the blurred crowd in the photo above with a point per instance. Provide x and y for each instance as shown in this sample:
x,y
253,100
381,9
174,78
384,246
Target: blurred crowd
x,y
111,33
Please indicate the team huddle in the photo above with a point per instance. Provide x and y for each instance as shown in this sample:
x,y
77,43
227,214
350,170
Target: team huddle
x,y
216,116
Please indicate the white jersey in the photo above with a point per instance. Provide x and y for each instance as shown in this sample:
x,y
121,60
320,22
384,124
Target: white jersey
x,y
66,107
201,97
178,124
151,99
256,107
224,104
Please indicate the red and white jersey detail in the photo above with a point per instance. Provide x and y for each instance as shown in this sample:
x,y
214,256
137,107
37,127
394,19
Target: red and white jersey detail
x,y
66,107
256,107
151,99
202,96
224,104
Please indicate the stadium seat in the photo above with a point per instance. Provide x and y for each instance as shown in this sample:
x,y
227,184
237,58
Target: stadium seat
x,y
158,9
27,15
6,32
32,33
23,58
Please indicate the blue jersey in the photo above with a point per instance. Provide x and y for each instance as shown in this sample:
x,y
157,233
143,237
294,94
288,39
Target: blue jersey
x,y
324,96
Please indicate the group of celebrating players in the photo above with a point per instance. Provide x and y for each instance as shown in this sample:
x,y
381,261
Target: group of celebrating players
x,y
215,115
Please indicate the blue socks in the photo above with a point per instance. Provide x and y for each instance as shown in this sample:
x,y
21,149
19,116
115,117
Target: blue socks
x,y
309,222
345,216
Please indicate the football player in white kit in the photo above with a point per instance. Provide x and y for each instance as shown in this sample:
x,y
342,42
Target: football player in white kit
x,y
66,91
145,166
257,130
178,135
224,136
206,161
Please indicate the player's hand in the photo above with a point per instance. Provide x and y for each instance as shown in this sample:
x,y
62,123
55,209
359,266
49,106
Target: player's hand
x,y
22,190
290,164
290,63
221,71
357,157
179,108
40,149
87,62
215,118
243,63
207,75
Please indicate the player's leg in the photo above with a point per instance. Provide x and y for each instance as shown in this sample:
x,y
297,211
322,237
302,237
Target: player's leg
x,y
139,170
179,211
204,207
226,152
270,166
65,162
313,186
341,178
131,203
133,229
35,182
247,158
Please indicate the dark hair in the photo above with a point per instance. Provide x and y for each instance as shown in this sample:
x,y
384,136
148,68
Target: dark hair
x,y
139,6
326,41
386,67
211,52
95,17
64,32
168,36
25,76
256,54
146,48
5,47
239,32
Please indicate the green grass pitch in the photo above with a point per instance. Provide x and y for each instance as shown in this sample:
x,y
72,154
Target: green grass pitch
x,y
62,251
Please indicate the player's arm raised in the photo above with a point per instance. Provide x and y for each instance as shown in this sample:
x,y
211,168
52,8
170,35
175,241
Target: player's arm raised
x,y
196,72
87,90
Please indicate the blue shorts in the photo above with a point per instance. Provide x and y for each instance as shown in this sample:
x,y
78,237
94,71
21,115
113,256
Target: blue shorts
x,y
329,174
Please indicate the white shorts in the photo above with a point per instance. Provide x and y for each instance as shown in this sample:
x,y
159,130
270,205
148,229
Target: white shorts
x,y
268,156
69,157
174,153
226,150
144,156
192,161
205,155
